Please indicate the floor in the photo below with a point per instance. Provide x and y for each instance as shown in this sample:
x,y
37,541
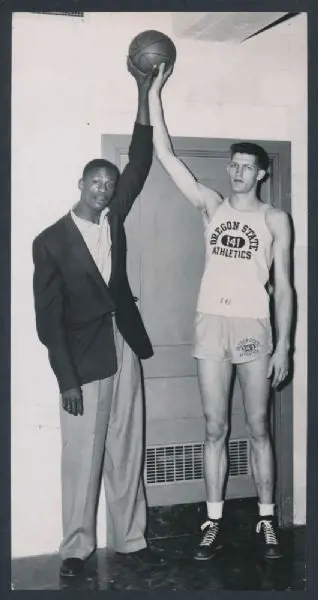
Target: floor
x,y
236,567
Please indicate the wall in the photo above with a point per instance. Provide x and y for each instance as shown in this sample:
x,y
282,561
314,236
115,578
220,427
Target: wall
x,y
70,85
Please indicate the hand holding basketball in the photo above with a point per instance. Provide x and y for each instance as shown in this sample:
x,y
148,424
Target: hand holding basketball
x,y
161,78
146,52
151,48
143,80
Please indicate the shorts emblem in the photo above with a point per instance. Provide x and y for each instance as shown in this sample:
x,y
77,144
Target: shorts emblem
x,y
248,347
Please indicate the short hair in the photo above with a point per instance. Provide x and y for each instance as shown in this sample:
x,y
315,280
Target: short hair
x,y
253,149
100,163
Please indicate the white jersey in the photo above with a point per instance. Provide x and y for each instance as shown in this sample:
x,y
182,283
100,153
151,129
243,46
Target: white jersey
x,y
238,259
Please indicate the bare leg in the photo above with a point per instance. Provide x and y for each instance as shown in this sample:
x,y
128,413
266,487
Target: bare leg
x,y
214,381
255,388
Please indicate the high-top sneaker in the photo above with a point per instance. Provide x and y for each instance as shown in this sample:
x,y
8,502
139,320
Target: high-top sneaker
x,y
267,537
211,540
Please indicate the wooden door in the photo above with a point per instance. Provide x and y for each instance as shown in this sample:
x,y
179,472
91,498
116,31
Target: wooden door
x,y
165,265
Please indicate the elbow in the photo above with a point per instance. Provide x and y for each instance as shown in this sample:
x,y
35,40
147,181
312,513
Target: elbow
x,y
142,159
145,166
160,154
283,293
41,330
150,158
164,155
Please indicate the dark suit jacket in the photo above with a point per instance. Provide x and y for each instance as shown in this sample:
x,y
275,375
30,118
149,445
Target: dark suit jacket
x,y
73,304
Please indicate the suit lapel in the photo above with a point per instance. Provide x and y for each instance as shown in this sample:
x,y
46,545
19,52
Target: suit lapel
x,y
80,252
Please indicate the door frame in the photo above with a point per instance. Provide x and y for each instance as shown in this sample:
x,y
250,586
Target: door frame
x,y
113,147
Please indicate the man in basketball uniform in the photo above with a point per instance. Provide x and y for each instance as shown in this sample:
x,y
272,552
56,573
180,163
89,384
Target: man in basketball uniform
x,y
242,237
87,317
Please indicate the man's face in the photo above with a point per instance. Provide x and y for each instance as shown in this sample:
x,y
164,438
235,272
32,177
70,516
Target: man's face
x,y
98,188
244,173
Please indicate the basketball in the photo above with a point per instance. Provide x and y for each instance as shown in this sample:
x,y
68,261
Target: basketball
x,y
151,48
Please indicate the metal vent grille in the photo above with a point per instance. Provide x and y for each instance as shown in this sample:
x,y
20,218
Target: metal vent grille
x,y
239,458
184,462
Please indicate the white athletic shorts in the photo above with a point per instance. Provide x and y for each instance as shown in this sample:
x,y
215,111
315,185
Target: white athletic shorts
x,y
231,339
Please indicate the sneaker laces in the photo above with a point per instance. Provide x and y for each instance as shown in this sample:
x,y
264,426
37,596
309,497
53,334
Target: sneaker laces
x,y
269,532
211,533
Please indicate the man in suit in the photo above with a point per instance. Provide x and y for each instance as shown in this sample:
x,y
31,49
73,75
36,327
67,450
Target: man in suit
x,y
87,317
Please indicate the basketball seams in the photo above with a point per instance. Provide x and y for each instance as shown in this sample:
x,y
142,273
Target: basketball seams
x,y
158,54
146,51
148,34
144,61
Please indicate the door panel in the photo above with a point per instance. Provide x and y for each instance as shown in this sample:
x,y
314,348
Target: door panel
x,y
169,364
172,260
165,266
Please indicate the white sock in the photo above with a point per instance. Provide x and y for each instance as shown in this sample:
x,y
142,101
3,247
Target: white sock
x,y
266,510
215,510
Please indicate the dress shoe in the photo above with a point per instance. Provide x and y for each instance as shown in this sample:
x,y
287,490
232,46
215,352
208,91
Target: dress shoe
x,y
71,567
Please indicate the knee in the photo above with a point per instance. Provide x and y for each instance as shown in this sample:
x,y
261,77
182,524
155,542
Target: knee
x,y
257,428
216,431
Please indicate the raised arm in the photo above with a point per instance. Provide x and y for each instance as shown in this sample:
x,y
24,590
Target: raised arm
x,y
201,196
140,153
283,297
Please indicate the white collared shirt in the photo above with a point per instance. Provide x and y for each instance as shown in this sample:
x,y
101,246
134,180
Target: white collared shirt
x,y
98,241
